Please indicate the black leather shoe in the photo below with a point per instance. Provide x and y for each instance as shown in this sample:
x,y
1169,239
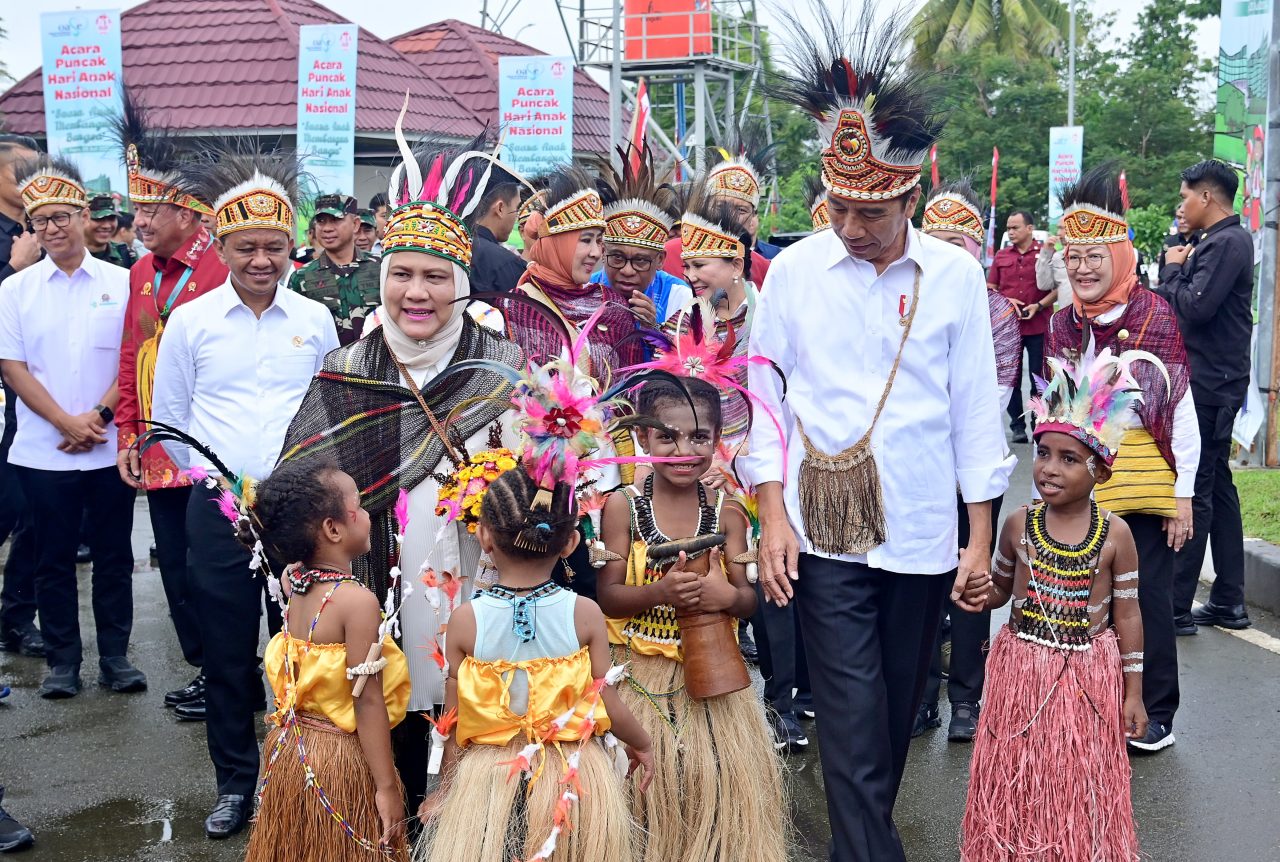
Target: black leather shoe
x,y
83,554
1210,614
62,682
964,721
229,815
1184,625
926,719
193,691
26,642
1020,435
192,710
118,675
13,835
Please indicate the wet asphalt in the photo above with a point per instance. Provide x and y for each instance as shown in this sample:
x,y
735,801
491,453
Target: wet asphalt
x,y
106,777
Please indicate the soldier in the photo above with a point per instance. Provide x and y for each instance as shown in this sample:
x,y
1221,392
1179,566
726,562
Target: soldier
x,y
100,231
341,277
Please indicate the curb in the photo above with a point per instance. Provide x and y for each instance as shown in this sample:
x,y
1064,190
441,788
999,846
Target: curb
x,y
1262,574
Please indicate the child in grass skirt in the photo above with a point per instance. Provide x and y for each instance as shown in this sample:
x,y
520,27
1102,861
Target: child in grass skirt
x,y
1049,778
717,791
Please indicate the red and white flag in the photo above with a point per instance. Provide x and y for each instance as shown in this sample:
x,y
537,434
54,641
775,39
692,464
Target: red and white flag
x,y
1124,192
639,120
991,223
933,165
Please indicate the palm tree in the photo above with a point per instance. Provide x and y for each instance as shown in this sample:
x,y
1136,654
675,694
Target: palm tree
x,y
1022,29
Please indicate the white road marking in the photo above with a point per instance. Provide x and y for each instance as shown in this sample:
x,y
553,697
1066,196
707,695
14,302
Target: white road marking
x,y
1253,636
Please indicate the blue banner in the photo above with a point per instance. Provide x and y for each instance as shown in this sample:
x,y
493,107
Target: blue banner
x,y
535,112
327,106
1066,154
80,53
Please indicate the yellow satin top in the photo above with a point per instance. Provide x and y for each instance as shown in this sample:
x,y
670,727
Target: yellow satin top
x,y
652,632
556,685
321,684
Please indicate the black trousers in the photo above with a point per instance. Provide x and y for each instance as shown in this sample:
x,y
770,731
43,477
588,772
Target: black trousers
x,y
411,747
18,590
781,652
1215,513
56,499
868,635
229,598
1160,691
1033,345
970,634
168,508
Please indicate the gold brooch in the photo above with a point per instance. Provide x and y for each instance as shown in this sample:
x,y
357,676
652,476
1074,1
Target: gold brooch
x,y
297,341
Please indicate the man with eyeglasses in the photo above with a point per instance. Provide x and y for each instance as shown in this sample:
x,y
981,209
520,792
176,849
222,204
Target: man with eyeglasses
x,y
635,233
60,325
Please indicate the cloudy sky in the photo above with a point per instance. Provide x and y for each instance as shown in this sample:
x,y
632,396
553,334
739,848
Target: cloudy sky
x,y
533,21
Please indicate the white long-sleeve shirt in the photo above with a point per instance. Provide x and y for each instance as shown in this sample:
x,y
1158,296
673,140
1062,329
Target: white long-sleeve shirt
x,y
233,380
833,327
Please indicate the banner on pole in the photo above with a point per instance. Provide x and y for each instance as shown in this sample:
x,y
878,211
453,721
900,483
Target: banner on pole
x,y
327,106
535,109
80,53
1066,159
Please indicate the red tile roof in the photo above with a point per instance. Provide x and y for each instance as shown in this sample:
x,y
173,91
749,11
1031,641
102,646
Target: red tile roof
x,y
464,58
233,64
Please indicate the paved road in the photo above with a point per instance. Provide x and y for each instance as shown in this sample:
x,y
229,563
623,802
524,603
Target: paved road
x,y
108,778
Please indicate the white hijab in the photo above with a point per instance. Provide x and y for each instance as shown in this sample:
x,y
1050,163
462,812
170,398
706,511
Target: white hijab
x,y
421,357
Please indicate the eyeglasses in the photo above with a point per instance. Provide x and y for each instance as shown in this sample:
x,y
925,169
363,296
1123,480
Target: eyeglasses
x,y
1094,259
59,220
639,264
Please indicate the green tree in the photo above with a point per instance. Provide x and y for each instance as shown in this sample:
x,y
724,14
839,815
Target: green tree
x,y
1150,226
1019,29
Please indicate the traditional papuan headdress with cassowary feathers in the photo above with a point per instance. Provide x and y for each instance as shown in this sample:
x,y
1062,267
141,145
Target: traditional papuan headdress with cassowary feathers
x,y
639,208
815,195
573,202
1092,208
743,160
954,207
708,226
153,156
45,180
249,188
878,117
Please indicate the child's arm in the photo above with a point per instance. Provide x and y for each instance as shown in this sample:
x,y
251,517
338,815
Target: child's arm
x,y
733,595
1004,564
458,644
1127,618
360,617
589,622
677,587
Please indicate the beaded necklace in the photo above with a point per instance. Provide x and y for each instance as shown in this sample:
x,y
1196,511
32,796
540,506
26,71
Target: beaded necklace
x,y
524,605
646,523
1055,611
302,578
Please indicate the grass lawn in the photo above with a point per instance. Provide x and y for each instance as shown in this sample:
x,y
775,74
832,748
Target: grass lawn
x,y
1260,502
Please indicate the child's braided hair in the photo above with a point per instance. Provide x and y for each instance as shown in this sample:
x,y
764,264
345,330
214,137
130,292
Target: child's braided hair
x,y
519,528
291,505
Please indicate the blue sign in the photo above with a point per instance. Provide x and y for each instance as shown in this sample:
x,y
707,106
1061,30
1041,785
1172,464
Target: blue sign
x,y
327,105
535,112
1066,159
81,72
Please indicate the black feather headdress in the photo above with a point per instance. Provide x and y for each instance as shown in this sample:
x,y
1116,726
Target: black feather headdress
x,y
1092,208
738,168
153,155
639,208
573,201
954,206
44,180
878,115
249,188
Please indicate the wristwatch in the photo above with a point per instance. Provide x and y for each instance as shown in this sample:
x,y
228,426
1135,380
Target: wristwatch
x,y
105,412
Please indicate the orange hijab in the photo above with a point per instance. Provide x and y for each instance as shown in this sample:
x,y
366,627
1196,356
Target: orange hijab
x,y
1124,277
552,260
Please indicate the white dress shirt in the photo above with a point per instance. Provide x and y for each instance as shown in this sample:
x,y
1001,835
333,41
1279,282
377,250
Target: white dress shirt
x,y
233,380
67,329
833,327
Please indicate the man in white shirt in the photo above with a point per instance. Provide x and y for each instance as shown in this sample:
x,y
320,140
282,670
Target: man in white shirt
x,y
231,372
60,326
872,313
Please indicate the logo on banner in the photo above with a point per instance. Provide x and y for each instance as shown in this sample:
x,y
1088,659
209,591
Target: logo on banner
x,y
71,27
557,69
104,24
344,41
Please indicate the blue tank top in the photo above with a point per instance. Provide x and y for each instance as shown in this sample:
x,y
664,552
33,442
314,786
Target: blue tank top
x,y
554,635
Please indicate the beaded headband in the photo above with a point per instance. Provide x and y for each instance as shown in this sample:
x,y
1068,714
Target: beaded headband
x,y
48,186
534,203
819,215
259,202
429,228
701,238
1090,225
950,212
735,178
638,223
580,211
145,188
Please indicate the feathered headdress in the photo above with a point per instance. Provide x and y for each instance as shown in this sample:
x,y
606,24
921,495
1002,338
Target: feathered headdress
x,y
1091,400
815,194
153,156
639,210
249,188
954,207
45,180
708,226
879,118
745,156
573,202
1092,208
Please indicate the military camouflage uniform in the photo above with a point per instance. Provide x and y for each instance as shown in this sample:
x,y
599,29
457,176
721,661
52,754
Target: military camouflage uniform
x,y
349,292
117,253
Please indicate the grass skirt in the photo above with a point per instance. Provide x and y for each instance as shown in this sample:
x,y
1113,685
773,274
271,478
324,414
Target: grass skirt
x,y
717,792
1052,787
489,817
292,824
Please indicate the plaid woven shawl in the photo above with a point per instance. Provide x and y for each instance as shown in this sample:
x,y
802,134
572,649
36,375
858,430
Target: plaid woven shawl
x,y
541,342
1007,335
359,413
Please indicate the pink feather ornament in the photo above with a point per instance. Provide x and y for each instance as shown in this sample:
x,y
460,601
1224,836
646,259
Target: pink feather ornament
x,y
402,511
229,506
